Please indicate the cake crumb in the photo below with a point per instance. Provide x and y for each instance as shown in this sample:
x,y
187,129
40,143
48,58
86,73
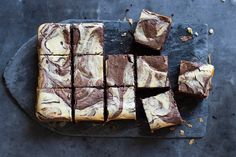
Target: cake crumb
x,y
181,132
190,30
186,38
201,120
124,34
196,34
189,125
191,141
172,128
211,31
130,21
223,1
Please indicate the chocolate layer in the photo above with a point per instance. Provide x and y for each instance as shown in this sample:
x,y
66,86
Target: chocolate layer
x,y
195,78
152,71
88,38
161,111
88,71
89,104
152,29
121,103
53,105
54,39
120,70
54,71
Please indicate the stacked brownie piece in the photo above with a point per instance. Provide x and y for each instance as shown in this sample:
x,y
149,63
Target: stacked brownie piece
x,y
54,81
88,76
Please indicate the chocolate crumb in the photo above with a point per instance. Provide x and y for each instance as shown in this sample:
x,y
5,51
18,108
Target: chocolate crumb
x,y
186,38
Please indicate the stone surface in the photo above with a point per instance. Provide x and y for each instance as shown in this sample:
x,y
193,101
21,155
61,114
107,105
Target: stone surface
x,y
27,15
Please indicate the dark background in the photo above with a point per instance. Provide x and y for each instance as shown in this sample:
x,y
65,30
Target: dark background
x,y
21,137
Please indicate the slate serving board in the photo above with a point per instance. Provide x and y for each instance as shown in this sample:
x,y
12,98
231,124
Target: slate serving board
x,y
21,79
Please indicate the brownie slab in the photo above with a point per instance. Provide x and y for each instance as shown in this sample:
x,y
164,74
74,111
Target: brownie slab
x,y
89,104
152,71
54,71
54,39
88,38
161,111
120,70
195,78
88,71
121,103
53,105
152,29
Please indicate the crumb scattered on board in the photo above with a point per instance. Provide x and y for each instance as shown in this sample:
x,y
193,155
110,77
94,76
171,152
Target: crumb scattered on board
x,y
124,34
201,120
172,128
181,132
191,141
185,38
211,31
130,21
196,34
189,30
223,1
189,125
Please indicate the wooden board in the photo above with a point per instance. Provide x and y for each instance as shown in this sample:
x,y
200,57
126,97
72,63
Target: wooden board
x,y
21,79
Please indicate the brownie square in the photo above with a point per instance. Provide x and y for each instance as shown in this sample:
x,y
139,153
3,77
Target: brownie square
x,y
152,29
89,104
120,70
88,38
54,105
195,78
88,71
54,39
152,71
54,71
121,103
161,111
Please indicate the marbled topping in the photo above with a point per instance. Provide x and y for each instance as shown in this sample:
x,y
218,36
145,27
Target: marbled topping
x,y
88,38
88,71
161,111
152,71
89,104
120,70
121,103
54,105
54,39
195,78
54,71
152,29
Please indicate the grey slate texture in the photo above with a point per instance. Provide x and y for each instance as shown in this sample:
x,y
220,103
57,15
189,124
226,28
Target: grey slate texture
x,y
19,136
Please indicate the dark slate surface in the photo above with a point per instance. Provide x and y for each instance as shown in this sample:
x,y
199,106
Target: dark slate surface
x,y
21,137
21,77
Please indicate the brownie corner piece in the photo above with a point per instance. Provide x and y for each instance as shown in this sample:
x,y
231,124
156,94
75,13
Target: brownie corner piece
x,y
121,103
54,105
152,29
152,72
120,70
88,71
54,71
88,38
54,39
195,78
89,104
161,111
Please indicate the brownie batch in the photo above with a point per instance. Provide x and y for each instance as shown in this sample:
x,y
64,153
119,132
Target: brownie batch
x,y
72,64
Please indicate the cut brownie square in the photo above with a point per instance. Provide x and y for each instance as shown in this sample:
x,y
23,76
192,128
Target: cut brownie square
x,y
54,105
161,111
89,104
54,39
121,103
88,71
54,71
195,78
152,29
152,71
120,70
88,38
